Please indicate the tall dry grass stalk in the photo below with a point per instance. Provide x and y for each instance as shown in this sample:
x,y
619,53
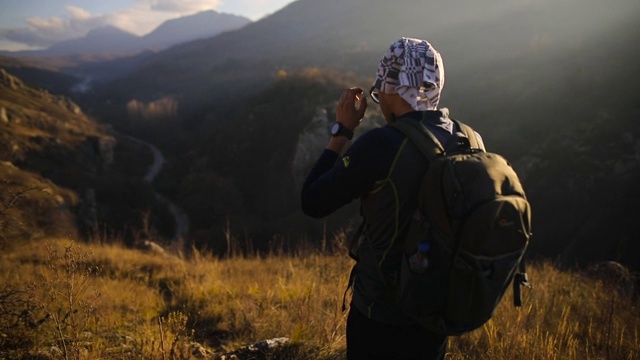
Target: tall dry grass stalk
x,y
158,307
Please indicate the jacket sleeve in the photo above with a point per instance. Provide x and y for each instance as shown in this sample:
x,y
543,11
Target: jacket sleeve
x,y
335,181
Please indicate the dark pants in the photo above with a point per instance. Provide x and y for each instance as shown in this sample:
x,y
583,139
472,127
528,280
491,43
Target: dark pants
x,y
368,340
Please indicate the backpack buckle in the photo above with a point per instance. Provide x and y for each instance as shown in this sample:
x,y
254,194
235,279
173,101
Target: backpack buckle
x,y
523,279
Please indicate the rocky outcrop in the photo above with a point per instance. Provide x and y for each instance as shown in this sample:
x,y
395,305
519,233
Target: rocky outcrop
x,y
36,123
9,81
261,350
48,137
313,139
96,153
310,144
151,247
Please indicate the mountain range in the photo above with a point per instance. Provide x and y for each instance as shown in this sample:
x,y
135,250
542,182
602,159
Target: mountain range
x,y
549,84
110,40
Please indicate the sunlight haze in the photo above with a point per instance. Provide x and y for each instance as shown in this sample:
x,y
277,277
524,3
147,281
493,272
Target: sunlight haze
x,y
38,24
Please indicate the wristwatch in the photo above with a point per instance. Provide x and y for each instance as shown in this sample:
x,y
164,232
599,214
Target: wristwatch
x,y
339,130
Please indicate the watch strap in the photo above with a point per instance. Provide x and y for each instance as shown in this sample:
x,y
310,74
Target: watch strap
x,y
342,131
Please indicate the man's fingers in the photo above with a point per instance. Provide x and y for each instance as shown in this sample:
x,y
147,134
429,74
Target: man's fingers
x,y
347,112
363,106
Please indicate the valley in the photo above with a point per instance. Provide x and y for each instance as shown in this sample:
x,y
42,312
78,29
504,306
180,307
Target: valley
x,y
228,113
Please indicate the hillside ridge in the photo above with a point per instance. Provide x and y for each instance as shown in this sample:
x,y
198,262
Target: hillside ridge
x,y
64,173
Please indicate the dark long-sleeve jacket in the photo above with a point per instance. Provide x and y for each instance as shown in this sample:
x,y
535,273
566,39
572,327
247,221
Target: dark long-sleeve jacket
x,y
384,170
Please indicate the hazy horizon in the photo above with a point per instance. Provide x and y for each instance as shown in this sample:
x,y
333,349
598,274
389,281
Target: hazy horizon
x,y
34,25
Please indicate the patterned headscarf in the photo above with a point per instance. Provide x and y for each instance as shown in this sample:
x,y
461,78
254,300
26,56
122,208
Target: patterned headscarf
x,y
413,69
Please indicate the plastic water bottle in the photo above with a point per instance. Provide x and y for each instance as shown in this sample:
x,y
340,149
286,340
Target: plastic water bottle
x,y
418,262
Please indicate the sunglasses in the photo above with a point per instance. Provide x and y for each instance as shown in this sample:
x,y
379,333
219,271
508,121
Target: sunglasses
x,y
374,95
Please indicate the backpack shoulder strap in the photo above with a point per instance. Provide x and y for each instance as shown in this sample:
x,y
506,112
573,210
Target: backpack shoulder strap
x,y
418,133
470,134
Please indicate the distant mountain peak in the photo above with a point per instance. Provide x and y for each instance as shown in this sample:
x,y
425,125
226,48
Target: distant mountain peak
x,y
108,30
197,26
105,39
113,40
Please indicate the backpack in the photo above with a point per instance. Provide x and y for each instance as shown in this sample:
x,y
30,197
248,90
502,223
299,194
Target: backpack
x,y
472,225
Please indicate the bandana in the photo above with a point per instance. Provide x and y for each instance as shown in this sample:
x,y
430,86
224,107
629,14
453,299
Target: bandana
x,y
413,69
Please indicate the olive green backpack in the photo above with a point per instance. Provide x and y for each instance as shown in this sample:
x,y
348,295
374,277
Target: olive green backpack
x,y
474,215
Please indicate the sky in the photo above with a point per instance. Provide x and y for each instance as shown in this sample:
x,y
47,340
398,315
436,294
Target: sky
x,y
37,24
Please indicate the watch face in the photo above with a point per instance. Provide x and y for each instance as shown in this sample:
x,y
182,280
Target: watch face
x,y
335,129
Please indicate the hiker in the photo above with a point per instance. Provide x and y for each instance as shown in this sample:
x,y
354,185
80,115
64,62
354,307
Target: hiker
x,y
408,85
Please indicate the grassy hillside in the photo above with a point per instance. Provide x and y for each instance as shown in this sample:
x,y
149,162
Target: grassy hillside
x,y
32,206
61,171
48,147
86,301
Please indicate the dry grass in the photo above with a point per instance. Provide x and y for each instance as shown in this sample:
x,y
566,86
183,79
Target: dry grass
x,y
565,316
32,207
129,305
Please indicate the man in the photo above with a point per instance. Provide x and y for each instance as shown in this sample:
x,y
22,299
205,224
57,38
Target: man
x,y
384,170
